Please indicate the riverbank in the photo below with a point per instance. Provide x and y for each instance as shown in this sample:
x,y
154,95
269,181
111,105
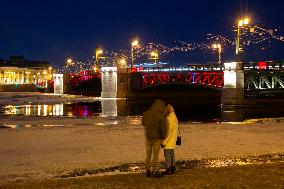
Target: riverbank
x,y
42,148
250,176
108,152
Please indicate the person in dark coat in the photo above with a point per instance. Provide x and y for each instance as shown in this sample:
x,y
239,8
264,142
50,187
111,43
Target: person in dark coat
x,y
154,122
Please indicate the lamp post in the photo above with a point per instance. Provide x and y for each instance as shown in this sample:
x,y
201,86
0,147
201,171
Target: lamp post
x,y
239,50
154,55
98,52
122,63
219,48
68,63
50,73
133,45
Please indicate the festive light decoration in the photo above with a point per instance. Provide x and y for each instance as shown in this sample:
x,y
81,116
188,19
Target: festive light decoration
x,y
252,36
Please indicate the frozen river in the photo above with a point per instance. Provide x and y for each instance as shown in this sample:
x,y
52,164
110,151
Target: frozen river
x,y
48,105
48,143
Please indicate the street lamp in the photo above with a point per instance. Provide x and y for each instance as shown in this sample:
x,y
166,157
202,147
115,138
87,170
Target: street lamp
x,y
154,55
122,63
241,23
217,46
68,63
98,52
133,45
49,72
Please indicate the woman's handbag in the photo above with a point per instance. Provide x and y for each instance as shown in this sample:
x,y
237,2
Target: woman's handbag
x,y
178,142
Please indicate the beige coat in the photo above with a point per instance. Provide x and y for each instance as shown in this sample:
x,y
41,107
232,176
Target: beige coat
x,y
172,131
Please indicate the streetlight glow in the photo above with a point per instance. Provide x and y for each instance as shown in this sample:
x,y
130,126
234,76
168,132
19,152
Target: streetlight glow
x,y
219,48
69,61
135,43
154,55
246,21
242,22
216,46
98,52
122,62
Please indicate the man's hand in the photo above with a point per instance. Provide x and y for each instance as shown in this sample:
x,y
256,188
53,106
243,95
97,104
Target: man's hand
x,y
162,146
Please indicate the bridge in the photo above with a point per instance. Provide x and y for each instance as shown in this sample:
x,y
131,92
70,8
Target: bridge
x,y
235,81
210,75
257,76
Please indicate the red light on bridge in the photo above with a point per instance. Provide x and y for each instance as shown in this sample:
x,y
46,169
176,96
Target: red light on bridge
x,y
262,65
134,70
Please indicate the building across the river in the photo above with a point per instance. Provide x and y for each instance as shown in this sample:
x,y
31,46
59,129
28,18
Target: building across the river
x,y
18,70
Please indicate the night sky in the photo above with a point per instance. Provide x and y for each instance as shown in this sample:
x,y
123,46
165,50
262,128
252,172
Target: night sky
x,y
54,30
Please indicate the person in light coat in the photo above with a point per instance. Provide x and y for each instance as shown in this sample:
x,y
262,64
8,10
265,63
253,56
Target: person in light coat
x,y
169,143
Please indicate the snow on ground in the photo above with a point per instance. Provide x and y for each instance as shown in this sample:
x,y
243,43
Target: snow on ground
x,y
42,147
44,151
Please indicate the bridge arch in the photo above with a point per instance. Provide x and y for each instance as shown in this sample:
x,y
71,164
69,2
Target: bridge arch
x,y
214,80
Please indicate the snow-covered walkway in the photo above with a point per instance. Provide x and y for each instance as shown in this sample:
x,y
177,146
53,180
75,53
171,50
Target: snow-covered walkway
x,y
46,150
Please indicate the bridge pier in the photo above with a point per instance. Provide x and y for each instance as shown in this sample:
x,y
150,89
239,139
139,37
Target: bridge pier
x,y
109,82
128,83
233,90
232,95
123,83
59,84
117,83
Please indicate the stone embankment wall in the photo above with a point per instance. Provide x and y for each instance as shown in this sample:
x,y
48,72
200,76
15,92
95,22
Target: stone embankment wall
x,y
24,88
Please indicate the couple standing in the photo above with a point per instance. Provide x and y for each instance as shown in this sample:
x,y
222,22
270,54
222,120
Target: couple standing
x,y
161,129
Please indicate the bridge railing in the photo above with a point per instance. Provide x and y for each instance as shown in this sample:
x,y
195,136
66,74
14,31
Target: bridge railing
x,y
269,65
196,67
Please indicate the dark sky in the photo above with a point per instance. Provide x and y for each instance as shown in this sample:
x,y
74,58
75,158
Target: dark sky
x,y
54,30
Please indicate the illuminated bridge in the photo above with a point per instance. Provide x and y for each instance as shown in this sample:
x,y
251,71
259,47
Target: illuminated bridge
x,y
257,76
205,75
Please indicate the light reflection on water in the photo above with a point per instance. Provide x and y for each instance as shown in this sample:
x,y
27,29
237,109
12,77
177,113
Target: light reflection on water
x,y
109,108
103,108
34,110
186,112
26,126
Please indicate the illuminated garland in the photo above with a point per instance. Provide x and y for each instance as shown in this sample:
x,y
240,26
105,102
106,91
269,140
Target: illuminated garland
x,y
251,35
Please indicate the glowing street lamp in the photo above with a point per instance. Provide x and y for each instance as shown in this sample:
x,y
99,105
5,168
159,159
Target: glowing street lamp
x,y
98,52
49,72
122,62
154,55
218,47
134,44
241,23
69,62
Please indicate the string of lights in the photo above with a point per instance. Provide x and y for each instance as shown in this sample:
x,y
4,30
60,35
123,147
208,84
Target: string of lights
x,y
251,36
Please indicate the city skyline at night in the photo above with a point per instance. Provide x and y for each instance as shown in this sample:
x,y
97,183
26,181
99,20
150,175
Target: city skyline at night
x,y
54,31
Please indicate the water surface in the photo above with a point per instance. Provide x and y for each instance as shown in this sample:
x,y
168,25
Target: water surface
x,y
186,111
